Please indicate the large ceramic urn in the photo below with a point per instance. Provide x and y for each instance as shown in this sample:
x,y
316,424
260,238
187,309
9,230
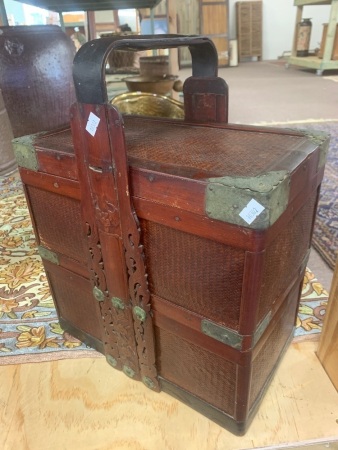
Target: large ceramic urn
x,y
7,158
36,77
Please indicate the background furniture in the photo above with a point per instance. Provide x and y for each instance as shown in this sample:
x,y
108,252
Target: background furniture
x,y
314,62
249,29
328,345
90,6
334,55
207,18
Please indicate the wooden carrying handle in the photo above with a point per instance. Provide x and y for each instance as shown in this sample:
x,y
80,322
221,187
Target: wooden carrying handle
x,y
115,252
90,62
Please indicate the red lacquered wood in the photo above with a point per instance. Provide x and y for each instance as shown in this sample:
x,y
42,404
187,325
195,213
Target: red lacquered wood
x,y
62,186
170,190
189,319
252,280
72,265
189,222
206,100
59,164
91,231
243,385
133,254
201,340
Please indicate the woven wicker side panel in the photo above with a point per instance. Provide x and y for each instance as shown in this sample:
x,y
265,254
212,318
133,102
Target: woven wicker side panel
x,y
267,358
285,255
75,302
196,273
58,222
209,377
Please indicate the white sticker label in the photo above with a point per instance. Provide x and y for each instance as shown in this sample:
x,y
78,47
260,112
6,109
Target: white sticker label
x,y
92,124
251,211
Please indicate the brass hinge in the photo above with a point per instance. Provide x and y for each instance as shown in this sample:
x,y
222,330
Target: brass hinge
x,y
261,328
231,337
222,334
47,254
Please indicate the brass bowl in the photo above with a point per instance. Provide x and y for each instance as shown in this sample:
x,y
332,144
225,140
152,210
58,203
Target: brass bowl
x,y
154,84
147,104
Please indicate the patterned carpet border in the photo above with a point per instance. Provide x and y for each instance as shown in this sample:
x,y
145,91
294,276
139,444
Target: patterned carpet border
x,y
29,327
325,234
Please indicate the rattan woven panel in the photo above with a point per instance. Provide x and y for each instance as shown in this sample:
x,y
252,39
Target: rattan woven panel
x,y
188,150
268,356
196,370
288,250
59,140
196,273
53,213
75,301
214,151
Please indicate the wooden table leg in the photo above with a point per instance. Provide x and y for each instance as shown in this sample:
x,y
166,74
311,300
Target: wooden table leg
x,y
328,345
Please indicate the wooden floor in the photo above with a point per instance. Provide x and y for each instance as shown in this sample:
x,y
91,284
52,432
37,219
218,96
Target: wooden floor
x,y
84,404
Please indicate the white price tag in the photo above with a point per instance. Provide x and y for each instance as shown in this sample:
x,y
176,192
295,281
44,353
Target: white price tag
x,y
92,124
251,211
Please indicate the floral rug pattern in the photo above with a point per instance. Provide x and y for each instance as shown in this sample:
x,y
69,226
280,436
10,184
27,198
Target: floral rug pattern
x,y
28,319
29,326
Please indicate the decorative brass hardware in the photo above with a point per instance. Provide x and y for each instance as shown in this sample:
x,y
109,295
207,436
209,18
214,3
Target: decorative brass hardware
x,y
320,138
222,334
111,360
231,337
98,294
47,254
139,313
148,382
227,196
128,371
117,303
261,328
25,152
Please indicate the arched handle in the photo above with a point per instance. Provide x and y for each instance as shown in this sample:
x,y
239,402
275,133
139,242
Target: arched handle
x,y
90,60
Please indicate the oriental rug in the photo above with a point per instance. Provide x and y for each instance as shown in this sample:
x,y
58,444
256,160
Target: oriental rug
x,y
29,327
325,234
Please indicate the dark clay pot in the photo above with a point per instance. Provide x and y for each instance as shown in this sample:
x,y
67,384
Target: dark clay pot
x,y
7,158
36,77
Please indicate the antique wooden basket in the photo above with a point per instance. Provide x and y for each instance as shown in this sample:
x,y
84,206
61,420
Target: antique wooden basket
x,y
175,247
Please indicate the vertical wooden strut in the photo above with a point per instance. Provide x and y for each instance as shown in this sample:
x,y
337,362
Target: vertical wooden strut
x,y
115,258
134,255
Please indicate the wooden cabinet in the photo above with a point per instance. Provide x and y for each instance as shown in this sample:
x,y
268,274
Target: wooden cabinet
x,y
334,54
188,22
214,24
209,18
249,29
325,61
